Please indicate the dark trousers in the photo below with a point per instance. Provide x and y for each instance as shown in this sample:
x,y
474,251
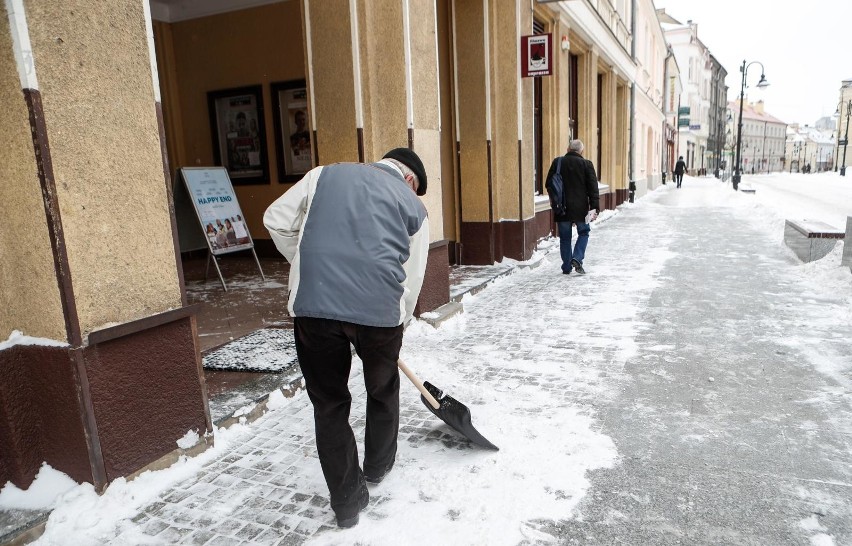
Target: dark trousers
x,y
678,179
325,358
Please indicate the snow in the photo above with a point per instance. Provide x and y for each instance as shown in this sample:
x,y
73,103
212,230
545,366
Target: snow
x,y
43,493
826,196
93,519
18,338
485,497
189,439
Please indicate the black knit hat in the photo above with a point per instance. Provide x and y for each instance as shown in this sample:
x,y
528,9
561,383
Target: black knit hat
x,y
412,161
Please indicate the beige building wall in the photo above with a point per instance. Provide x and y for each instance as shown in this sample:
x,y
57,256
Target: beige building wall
x,y
472,110
375,70
99,109
29,294
383,74
449,158
599,36
511,109
129,382
841,153
648,113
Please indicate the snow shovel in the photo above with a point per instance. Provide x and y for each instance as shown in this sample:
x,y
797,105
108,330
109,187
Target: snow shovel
x,y
447,409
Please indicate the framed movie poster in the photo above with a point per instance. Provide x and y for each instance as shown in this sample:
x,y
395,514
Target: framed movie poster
x,y
239,135
292,130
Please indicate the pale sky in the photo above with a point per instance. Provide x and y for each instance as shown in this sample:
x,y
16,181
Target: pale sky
x,y
799,44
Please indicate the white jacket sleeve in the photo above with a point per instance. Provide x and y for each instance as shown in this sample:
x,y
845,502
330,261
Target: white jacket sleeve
x,y
285,216
415,268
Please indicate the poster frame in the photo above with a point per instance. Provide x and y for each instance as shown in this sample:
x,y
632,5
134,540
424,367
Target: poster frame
x,y
283,146
218,122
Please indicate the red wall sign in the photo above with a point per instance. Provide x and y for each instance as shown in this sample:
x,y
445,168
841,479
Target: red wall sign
x,y
536,55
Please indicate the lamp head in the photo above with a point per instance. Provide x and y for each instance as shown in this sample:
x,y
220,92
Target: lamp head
x,y
762,83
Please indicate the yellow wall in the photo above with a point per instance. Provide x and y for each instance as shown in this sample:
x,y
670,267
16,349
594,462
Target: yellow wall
x,y
29,294
470,71
503,32
256,46
382,77
93,66
448,137
334,84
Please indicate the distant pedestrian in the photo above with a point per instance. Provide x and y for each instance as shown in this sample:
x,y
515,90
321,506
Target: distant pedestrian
x,y
580,192
680,167
357,238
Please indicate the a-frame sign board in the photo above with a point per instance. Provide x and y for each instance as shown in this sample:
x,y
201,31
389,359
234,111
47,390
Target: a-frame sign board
x,y
219,214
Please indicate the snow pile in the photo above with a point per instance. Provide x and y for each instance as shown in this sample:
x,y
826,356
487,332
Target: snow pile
x,y
43,493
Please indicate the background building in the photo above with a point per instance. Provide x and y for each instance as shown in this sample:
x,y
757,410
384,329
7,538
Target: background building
x,y
763,136
809,146
649,119
717,116
696,67
842,158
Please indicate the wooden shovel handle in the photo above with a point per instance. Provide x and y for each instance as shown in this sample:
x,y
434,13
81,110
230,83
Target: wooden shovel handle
x,y
417,383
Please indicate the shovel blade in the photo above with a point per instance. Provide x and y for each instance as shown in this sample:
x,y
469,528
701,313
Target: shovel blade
x,y
455,414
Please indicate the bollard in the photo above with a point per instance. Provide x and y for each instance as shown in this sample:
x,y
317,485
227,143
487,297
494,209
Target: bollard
x,y
632,191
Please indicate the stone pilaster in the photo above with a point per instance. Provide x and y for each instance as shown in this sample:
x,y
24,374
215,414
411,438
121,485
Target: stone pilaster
x,y
97,230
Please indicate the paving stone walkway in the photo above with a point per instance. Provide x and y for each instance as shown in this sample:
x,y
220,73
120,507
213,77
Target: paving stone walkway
x,y
684,392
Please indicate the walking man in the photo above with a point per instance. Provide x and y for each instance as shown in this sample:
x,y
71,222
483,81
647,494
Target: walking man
x,y
580,195
357,238
680,167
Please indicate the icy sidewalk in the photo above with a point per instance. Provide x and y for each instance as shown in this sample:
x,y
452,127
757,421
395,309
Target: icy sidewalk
x,y
689,389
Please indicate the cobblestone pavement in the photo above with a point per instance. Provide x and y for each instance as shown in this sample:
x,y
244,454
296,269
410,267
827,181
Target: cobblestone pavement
x,y
661,399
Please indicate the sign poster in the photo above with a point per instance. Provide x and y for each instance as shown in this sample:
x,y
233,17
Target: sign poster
x,y
536,55
239,138
217,209
294,114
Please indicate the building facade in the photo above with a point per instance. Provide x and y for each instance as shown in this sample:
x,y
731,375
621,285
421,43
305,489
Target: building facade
x,y
106,102
842,159
649,119
717,117
810,149
764,138
695,63
673,95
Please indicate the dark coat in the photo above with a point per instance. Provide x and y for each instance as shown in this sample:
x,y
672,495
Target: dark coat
x,y
680,167
581,187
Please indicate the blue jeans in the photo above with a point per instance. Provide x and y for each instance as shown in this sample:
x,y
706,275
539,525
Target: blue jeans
x,y
565,243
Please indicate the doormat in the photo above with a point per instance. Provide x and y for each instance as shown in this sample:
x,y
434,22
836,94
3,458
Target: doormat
x,y
271,350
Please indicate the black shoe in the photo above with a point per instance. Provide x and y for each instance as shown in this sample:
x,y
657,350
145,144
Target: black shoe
x,y
344,521
377,478
566,272
578,267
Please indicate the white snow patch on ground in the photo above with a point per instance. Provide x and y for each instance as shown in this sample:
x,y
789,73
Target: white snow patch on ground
x,y
18,338
189,439
42,494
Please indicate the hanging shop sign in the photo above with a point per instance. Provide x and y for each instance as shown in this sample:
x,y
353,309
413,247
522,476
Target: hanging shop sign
x,y
536,55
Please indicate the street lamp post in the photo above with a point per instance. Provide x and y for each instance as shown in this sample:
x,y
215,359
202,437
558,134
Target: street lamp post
x,y
761,84
845,140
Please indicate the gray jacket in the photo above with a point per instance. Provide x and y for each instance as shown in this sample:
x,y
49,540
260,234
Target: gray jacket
x,y
357,239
